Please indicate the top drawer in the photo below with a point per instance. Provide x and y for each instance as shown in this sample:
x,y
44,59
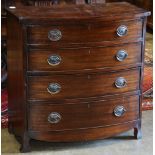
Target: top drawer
x,y
57,35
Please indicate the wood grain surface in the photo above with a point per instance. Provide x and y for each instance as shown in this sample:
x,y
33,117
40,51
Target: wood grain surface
x,y
84,58
81,86
82,115
83,33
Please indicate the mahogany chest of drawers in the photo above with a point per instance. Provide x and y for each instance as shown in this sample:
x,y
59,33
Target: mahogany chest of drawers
x,y
75,72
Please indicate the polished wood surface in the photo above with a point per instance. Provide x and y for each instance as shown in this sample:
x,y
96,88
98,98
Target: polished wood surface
x,y
84,58
87,13
16,77
81,86
88,33
82,115
87,71
83,134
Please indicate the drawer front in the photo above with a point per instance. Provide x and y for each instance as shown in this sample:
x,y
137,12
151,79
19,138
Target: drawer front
x,y
50,117
81,86
84,33
80,59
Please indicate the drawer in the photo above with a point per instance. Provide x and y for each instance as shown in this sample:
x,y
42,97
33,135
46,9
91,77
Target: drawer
x,y
84,33
50,117
81,86
84,58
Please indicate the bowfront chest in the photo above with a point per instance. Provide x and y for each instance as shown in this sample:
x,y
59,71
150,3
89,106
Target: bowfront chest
x,y
75,72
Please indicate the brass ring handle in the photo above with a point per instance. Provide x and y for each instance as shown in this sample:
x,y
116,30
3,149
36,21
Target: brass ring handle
x,y
119,111
54,117
121,55
120,82
54,60
54,35
53,88
122,30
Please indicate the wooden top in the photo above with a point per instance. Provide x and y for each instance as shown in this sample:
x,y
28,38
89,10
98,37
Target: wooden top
x,y
103,12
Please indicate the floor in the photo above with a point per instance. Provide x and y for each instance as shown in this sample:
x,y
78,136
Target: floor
x,y
123,144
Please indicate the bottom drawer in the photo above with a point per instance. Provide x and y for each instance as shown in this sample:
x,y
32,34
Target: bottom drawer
x,y
52,117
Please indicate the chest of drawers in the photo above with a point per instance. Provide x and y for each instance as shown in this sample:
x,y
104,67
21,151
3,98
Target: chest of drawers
x,y
75,72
